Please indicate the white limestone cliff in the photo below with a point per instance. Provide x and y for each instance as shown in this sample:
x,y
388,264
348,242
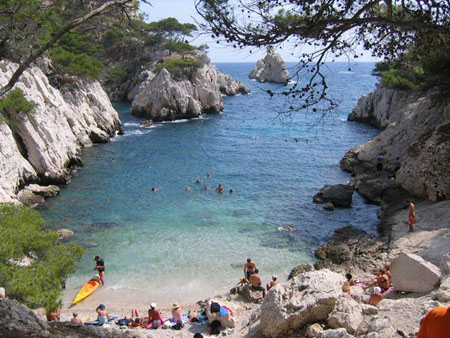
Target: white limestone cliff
x,y
165,97
416,128
43,144
270,69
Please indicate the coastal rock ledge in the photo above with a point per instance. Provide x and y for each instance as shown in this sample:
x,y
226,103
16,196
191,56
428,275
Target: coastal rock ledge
x,y
42,146
416,129
167,97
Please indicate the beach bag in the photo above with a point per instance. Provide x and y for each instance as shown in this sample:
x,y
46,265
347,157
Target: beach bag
x,y
155,324
215,307
123,322
215,327
179,325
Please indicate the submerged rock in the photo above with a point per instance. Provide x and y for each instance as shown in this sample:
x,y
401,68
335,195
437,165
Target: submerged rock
x,y
64,234
270,69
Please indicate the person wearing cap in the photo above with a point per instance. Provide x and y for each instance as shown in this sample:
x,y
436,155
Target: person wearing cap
x,y
154,317
75,319
102,314
177,313
100,267
272,283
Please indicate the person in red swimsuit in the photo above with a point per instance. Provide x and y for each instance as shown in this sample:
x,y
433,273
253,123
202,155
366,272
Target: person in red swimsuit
x,y
412,216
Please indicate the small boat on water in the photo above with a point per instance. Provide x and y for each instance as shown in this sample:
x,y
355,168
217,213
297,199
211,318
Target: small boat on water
x,y
88,288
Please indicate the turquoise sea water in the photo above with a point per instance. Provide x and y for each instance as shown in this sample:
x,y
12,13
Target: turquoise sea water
x,y
176,245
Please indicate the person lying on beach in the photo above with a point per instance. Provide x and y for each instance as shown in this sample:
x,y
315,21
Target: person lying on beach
x,y
154,317
255,282
382,280
272,283
75,319
102,314
136,319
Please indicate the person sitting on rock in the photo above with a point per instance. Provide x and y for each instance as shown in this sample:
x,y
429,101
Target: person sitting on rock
x,y
249,268
375,297
75,319
272,283
255,282
349,278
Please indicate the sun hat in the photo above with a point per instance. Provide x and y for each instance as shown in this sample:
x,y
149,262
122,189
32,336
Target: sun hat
x,y
376,289
175,306
274,277
153,305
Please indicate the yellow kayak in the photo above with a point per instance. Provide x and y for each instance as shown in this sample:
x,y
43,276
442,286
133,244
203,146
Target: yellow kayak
x,y
87,289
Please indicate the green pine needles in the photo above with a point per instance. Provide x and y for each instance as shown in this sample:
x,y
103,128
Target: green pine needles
x,y
23,235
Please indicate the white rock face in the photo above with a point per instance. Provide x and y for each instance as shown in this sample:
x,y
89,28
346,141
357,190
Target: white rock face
x,y
415,129
270,69
49,138
412,273
443,293
347,314
304,299
167,98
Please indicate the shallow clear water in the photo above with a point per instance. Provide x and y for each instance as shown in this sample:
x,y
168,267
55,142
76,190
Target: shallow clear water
x,y
183,245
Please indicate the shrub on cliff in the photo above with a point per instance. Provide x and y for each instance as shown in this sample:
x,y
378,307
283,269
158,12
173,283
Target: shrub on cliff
x,y
38,283
14,103
179,66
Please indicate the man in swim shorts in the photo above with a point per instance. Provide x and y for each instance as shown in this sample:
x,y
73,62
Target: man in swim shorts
x,y
255,282
100,267
249,268
412,216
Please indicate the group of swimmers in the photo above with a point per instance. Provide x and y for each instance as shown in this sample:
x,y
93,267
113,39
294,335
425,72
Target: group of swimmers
x,y
219,189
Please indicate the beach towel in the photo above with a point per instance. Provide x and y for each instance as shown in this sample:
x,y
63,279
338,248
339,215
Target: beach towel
x,y
96,322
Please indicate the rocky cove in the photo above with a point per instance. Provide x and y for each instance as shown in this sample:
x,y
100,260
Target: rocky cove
x,y
311,303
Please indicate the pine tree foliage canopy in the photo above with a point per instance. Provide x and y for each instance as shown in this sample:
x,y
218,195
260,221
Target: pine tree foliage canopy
x,y
23,235
322,30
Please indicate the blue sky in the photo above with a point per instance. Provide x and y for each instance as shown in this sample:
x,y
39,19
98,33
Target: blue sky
x,y
184,11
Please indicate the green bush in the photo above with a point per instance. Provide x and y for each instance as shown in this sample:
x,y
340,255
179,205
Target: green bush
x,y
116,75
15,102
178,66
394,79
39,284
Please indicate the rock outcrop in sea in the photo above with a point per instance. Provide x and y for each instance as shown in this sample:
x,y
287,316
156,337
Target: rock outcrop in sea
x,y
42,145
416,129
270,69
163,96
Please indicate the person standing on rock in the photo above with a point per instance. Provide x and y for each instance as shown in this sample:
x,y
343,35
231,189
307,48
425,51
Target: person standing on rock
x,y
380,161
249,268
100,267
412,216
